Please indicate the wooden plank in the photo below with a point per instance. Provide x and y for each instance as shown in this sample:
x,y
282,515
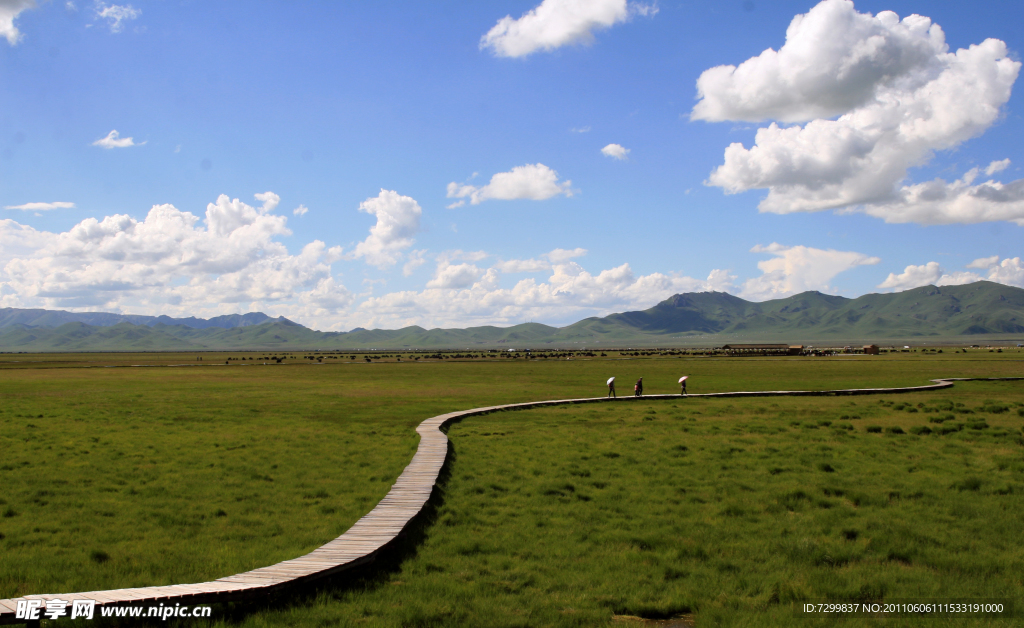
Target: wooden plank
x,y
106,597
134,594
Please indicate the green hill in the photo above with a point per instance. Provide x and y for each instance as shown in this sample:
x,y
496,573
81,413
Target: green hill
x,y
981,310
947,312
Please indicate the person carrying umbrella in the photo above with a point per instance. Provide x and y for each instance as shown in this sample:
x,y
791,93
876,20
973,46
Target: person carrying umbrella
x,y
682,384
638,389
611,387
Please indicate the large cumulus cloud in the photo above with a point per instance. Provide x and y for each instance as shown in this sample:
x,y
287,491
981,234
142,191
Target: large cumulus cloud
x,y
877,96
465,294
398,220
794,269
170,261
1009,271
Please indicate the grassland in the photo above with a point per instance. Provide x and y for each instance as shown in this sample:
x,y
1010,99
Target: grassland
x,y
727,510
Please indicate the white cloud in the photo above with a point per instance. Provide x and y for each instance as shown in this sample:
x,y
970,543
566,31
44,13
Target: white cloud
x,y
18,240
115,14
1009,272
559,256
514,266
942,202
9,11
270,201
556,23
899,96
834,60
720,280
458,255
171,262
581,129
533,181
644,10
957,278
913,277
615,150
301,210
984,262
570,292
39,207
455,276
795,269
414,260
232,260
114,140
997,166
328,296
398,220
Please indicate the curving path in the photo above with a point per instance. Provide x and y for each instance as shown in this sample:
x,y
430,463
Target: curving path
x,y
364,541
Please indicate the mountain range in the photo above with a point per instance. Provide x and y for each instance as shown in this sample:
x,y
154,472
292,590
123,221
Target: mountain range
x,y
55,318
933,314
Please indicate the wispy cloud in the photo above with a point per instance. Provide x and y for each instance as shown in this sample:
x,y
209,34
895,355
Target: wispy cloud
x,y
415,260
41,207
114,140
116,14
997,166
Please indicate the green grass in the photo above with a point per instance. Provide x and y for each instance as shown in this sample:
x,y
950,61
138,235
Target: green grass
x,y
139,477
726,509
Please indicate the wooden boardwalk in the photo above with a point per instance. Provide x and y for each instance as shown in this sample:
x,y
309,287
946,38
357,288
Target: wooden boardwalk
x,y
382,525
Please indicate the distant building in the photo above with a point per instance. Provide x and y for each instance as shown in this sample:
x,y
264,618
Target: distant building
x,y
871,349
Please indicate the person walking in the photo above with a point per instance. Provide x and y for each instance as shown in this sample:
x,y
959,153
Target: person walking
x,y
611,388
638,390
682,384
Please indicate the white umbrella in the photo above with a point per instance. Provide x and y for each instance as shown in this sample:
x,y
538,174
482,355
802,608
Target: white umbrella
x,y
683,378
610,380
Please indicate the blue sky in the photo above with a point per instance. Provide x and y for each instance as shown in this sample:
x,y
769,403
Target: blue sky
x,y
458,163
